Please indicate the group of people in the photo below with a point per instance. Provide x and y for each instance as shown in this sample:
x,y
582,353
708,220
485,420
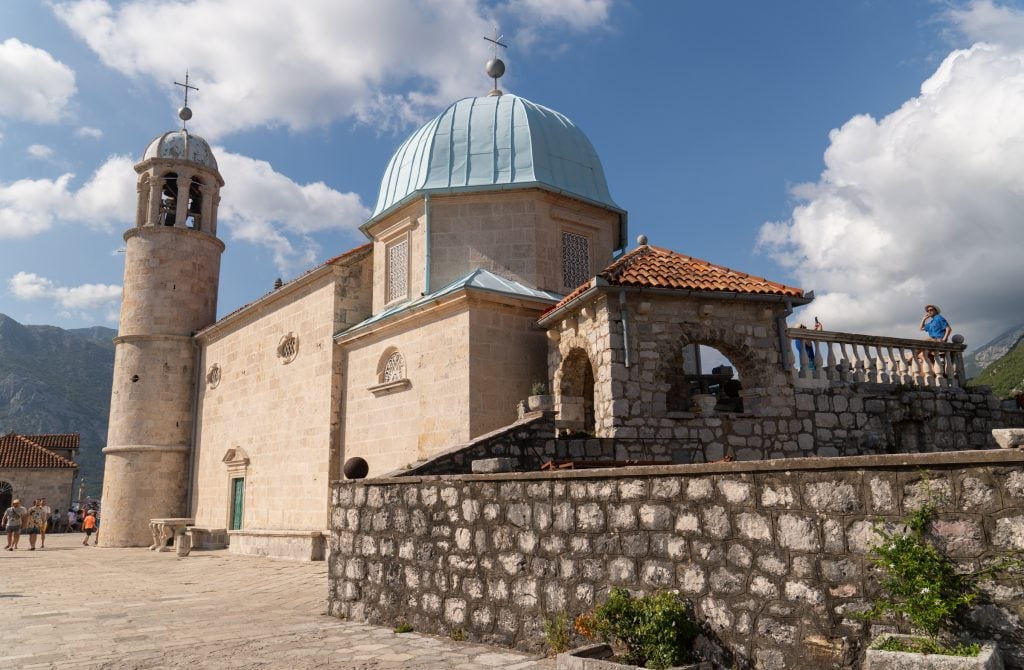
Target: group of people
x,y
37,520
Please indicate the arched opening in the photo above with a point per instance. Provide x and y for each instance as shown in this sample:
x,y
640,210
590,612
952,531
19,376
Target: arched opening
x,y
168,199
695,374
576,393
194,213
6,495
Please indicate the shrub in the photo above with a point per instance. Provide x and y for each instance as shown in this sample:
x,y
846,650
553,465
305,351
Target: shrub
x,y
556,633
539,388
920,583
657,631
403,628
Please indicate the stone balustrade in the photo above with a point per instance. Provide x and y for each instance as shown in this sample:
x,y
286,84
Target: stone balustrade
x,y
851,357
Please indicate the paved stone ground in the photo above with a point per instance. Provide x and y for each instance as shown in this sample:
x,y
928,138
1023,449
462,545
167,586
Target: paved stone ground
x,y
70,606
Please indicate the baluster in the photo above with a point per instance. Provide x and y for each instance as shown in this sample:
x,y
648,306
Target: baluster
x,y
833,373
891,371
804,371
870,364
844,363
906,366
819,363
958,359
917,376
856,364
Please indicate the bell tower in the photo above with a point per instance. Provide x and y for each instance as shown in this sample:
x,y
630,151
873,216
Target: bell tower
x,y
171,272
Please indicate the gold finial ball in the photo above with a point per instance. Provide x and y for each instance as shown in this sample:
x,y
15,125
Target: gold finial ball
x,y
495,68
184,113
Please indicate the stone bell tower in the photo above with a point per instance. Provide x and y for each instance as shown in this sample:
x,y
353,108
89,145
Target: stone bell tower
x,y
171,271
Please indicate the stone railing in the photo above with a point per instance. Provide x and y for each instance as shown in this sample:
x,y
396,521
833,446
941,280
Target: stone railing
x,y
850,357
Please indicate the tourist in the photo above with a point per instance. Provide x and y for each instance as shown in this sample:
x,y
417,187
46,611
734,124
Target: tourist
x,y
55,521
34,518
72,521
935,325
14,517
89,526
803,346
44,523
818,325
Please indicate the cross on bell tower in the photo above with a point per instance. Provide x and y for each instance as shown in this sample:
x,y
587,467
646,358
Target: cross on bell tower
x,y
495,67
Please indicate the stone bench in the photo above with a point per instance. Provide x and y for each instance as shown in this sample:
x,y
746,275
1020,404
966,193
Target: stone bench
x,y
164,529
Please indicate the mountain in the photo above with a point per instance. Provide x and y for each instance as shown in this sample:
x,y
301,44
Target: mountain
x,y
1005,375
982,357
58,381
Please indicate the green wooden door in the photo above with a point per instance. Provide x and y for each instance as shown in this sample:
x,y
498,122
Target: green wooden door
x,y
237,497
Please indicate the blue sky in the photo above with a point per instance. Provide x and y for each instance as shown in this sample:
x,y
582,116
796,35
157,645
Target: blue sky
x,y
870,151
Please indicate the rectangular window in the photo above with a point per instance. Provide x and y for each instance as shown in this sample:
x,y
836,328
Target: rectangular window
x,y
237,502
397,270
575,260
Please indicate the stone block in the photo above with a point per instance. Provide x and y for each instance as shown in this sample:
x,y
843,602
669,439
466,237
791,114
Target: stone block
x,y
492,465
797,532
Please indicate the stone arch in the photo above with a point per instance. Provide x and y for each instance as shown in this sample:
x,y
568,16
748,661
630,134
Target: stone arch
x,y
749,363
194,208
576,389
6,495
168,195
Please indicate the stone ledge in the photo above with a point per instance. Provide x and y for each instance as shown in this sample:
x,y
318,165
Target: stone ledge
x,y
946,458
298,545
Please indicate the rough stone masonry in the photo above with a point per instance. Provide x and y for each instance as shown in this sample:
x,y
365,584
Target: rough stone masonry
x,y
772,553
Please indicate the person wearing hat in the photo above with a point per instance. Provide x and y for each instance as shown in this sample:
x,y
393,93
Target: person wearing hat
x,y
14,516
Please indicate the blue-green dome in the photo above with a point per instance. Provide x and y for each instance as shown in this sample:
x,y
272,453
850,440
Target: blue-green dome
x,y
493,143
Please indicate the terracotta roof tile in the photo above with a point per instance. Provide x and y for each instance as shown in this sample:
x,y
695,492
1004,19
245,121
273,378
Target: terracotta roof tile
x,y
56,440
21,451
654,267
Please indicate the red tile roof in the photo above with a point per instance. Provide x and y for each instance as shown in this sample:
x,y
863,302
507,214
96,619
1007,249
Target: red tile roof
x,y
654,267
55,440
25,451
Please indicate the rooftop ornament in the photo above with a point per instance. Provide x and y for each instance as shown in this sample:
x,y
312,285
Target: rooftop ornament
x,y
495,67
185,113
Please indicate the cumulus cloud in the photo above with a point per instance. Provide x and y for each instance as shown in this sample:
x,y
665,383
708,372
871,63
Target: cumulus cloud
x,y
986,21
89,132
39,151
269,209
31,206
83,298
921,206
577,14
306,64
34,86
265,207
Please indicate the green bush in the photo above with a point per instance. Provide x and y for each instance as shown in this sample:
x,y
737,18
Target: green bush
x,y
657,631
917,580
557,633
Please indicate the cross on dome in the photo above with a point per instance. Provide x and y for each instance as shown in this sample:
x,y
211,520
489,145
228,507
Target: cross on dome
x,y
185,113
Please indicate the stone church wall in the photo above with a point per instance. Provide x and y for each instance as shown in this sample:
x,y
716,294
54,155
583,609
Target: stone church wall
x,y
280,412
55,485
773,555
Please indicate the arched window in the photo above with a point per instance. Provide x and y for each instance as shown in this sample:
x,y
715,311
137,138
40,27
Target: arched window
x,y
393,369
391,373
168,199
195,204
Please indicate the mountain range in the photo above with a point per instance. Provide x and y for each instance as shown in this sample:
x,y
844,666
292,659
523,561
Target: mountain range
x,y
58,381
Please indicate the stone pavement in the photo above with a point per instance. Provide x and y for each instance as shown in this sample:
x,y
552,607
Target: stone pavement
x,y
70,606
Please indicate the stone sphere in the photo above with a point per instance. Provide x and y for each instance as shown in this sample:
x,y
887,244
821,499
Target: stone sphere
x,y
356,468
184,113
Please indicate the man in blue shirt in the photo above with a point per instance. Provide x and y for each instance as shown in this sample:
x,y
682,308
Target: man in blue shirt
x,y
935,325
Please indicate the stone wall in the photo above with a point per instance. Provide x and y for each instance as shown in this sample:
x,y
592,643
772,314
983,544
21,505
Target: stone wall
x,y
772,553
54,484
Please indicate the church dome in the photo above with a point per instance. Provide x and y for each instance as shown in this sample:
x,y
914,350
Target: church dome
x,y
182,145
495,142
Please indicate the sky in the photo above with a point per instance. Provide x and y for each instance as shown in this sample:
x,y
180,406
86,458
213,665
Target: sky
x,y
870,151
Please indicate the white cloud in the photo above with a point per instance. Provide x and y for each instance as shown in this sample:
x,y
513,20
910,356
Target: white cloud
x,y
34,86
40,152
29,286
577,14
269,209
306,64
265,207
923,205
89,132
31,206
986,21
